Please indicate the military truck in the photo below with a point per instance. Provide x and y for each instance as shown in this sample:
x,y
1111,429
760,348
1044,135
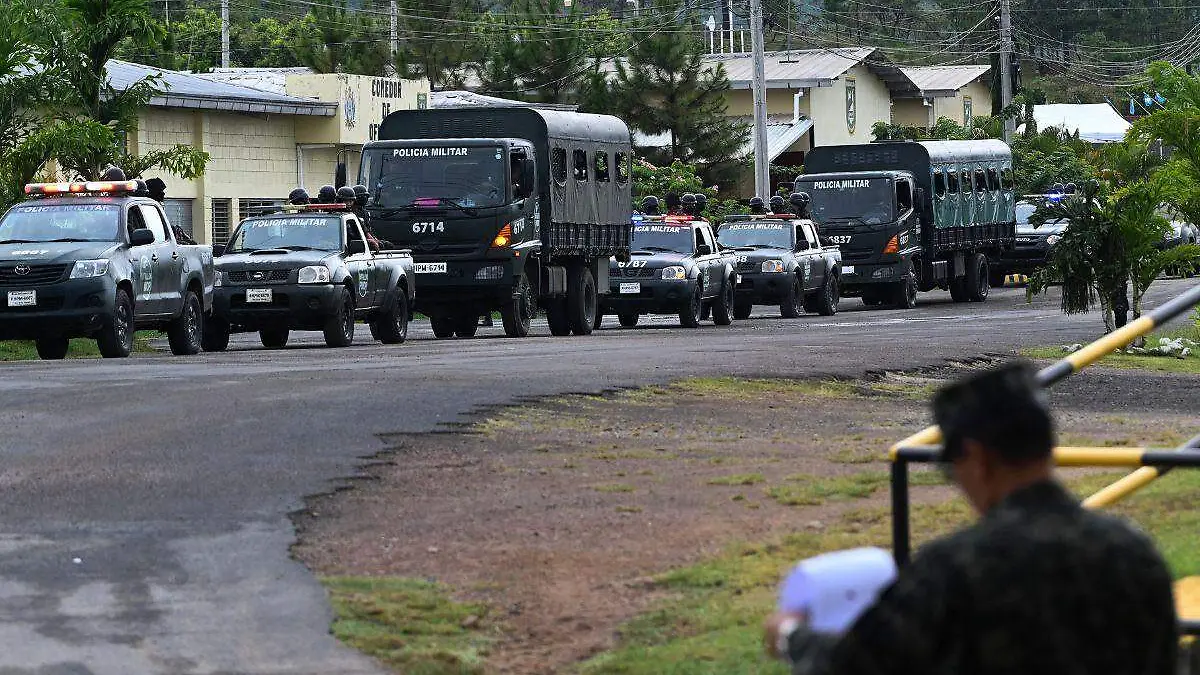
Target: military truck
x,y
507,209
912,216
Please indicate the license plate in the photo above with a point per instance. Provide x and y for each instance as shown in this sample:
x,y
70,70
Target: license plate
x,y
22,298
259,295
847,269
430,268
739,279
634,288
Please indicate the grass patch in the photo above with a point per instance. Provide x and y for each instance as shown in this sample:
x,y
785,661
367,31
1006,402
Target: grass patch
x,y
739,479
1160,364
80,348
755,388
410,625
614,488
804,489
858,456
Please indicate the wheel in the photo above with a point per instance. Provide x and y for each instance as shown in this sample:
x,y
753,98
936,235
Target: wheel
x,y
518,313
273,338
689,314
581,299
596,323
628,319
828,297
339,328
53,348
215,335
958,289
742,310
185,334
792,304
556,316
115,340
443,326
723,307
977,278
905,293
466,325
391,328
705,311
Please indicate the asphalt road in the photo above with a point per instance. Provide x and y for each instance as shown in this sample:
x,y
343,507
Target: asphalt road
x,y
144,520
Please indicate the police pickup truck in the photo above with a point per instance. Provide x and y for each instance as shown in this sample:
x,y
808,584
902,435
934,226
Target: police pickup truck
x,y
99,260
309,267
780,261
675,267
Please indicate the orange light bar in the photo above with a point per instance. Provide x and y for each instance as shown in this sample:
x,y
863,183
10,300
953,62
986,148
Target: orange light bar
x,y
503,237
90,187
893,245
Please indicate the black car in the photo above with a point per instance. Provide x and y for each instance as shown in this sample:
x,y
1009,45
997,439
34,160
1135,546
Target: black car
x,y
1032,246
780,261
676,267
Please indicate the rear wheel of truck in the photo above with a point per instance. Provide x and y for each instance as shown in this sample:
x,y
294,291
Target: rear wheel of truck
x,y
339,328
829,296
689,314
185,333
742,310
904,293
215,336
443,326
391,328
517,314
977,278
52,348
958,289
115,340
582,302
792,304
274,338
466,325
628,319
598,321
722,307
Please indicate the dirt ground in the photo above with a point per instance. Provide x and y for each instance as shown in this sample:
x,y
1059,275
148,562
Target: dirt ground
x,y
555,513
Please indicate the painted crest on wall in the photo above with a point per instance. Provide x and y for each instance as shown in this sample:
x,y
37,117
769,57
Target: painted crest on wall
x,y
968,112
851,104
350,109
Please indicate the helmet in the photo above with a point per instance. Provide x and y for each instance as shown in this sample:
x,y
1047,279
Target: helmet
x,y
777,204
298,196
800,202
650,205
673,202
346,194
327,195
360,195
701,203
113,173
757,205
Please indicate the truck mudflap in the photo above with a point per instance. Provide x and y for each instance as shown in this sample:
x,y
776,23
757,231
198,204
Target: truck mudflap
x,y
588,240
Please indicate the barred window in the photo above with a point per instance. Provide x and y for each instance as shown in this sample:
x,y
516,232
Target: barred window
x,y
257,207
179,212
222,212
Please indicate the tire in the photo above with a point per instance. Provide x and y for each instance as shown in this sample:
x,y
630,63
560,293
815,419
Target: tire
x,y
273,338
977,279
598,321
391,328
904,293
582,302
185,334
443,326
689,314
215,337
628,319
556,316
53,348
792,304
115,340
742,310
339,328
722,307
466,325
958,289
705,311
829,295
518,313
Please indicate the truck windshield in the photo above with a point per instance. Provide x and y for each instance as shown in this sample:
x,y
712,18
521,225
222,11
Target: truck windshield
x,y
657,237
428,176
871,201
60,222
769,234
321,233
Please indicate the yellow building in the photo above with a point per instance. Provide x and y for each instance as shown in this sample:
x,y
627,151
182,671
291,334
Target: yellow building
x,y
290,128
958,93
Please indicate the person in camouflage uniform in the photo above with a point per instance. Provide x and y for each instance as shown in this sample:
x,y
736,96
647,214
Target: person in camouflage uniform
x,y
1039,585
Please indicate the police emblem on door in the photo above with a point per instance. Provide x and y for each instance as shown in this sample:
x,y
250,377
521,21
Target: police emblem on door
x,y
851,105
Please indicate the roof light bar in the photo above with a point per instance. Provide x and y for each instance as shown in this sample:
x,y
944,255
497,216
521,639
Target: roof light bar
x,y
90,187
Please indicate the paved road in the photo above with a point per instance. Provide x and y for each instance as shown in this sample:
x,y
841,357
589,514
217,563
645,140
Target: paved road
x,y
144,526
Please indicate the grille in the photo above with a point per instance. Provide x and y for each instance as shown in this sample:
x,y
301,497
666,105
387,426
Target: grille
x,y
269,276
637,272
38,274
858,254
42,305
749,266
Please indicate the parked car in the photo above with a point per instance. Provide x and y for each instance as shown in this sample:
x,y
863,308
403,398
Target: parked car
x,y
1032,247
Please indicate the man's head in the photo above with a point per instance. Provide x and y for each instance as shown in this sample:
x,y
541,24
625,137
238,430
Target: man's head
x,y
998,433
157,188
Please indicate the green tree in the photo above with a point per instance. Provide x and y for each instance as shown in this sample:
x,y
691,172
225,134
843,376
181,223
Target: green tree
x,y
437,40
334,39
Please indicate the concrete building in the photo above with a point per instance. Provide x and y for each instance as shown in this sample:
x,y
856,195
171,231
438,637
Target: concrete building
x,y
266,132
958,93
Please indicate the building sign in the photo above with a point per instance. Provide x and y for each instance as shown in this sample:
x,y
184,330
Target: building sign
x,y
350,108
422,101
851,104
968,113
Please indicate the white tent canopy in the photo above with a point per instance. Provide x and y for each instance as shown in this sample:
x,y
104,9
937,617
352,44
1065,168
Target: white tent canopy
x,y
1095,122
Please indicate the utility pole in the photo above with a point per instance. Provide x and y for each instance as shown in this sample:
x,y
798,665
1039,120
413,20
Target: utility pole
x,y
729,4
224,33
1006,57
393,37
762,169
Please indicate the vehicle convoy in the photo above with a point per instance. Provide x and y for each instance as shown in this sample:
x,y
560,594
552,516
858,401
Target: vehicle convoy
x,y
505,209
912,216
309,267
1032,247
99,260
676,267
780,261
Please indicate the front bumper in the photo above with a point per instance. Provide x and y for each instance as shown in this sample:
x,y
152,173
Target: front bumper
x,y
72,308
854,278
763,288
292,306
1022,258
653,296
482,284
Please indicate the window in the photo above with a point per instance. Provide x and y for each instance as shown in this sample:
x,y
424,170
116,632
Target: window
x,y
980,180
993,179
809,233
601,160
179,213
939,183
154,221
134,221
968,184
1006,178
222,211
581,167
952,181
904,199
558,165
623,167
248,208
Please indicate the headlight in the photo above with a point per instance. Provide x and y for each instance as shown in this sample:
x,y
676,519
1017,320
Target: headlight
x,y
86,269
1053,239
674,272
490,273
314,274
772,266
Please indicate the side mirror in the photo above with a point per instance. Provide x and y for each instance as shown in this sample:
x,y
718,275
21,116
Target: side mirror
x,y
703,249
803,245
141,237
528,176
218,250
357,246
